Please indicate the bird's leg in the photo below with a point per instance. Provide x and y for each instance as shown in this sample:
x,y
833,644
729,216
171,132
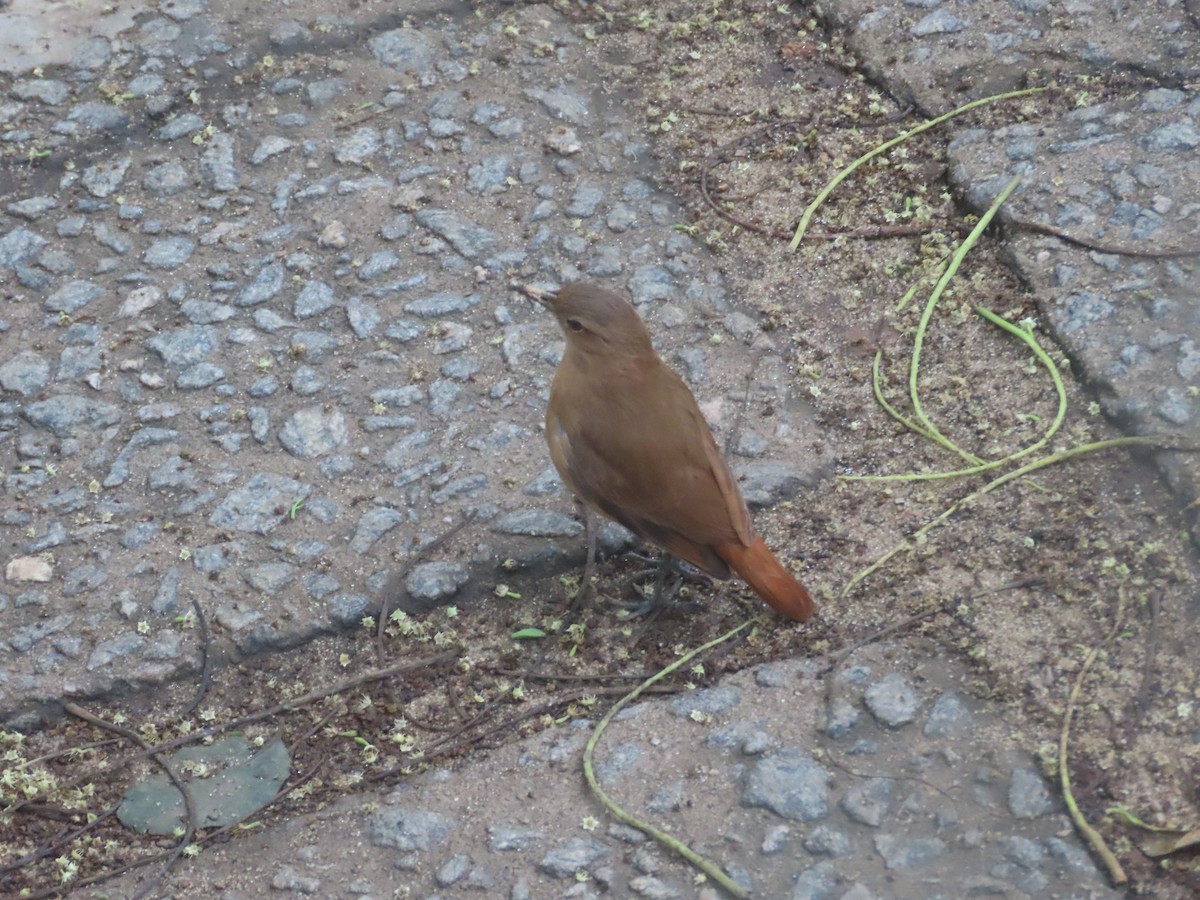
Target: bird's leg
x,y
589,565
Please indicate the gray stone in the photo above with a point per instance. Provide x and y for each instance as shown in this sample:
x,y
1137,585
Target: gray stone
x,y
363,317
867,802
439,305
505,837
83,579
320,585
1173,138
139,535
313,345
651,283
713,701
26,373
404,49
105,178
1075,859
562,103
585,201
902,852
817,882
269,578
938,22
892,700
182,347
202,375
113,649
118,474
374,524
93,53
378,265
467,238
218,172
166,597
269,147
289,879
324,91
436,581
348,610
238,778
405,828
841,718
45,90
949,716
266,284
825,840
72,297
26,637
174,474
261,504
790,784
1024,852
19,245
66,414
32,208
467,486
577,854
537,523
1028,796
357,148
453,870
169,253
313,431
490,175
181,126
99,117
202,312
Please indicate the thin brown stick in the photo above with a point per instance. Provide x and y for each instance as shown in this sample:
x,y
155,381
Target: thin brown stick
x,y
206,661
1091,835
538,676
189,803
287,706
67,751
63,840
358,120
1141,702
1099,246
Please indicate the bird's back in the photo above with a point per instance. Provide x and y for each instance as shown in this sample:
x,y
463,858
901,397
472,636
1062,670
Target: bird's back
x,y
633,444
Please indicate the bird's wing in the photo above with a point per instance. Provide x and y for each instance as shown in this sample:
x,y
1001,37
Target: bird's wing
x,y
650,463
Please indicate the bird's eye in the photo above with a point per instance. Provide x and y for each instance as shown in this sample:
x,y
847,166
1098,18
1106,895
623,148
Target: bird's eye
x,y
574,324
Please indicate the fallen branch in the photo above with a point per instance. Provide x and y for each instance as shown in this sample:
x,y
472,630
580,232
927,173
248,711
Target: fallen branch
x,y
1090,834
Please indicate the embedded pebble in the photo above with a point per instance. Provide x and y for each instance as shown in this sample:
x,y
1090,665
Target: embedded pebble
x,y
892,700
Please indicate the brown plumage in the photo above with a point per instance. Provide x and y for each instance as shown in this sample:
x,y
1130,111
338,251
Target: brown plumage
x,y
627,437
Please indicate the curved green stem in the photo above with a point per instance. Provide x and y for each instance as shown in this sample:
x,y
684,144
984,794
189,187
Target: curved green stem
x,y
1169,442
884,148
951,270
706,866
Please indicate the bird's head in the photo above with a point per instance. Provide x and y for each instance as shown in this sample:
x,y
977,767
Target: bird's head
x,y
593,319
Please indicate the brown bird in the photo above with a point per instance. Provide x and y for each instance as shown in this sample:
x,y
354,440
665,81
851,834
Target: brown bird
x,y
628,439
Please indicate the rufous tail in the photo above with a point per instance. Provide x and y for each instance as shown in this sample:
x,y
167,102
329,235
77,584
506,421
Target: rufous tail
x,y
770,580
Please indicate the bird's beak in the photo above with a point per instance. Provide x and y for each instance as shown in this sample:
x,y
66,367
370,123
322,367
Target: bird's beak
x,y
540,297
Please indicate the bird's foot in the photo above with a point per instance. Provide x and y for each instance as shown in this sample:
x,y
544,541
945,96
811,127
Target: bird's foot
x,y
665,593
650,607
